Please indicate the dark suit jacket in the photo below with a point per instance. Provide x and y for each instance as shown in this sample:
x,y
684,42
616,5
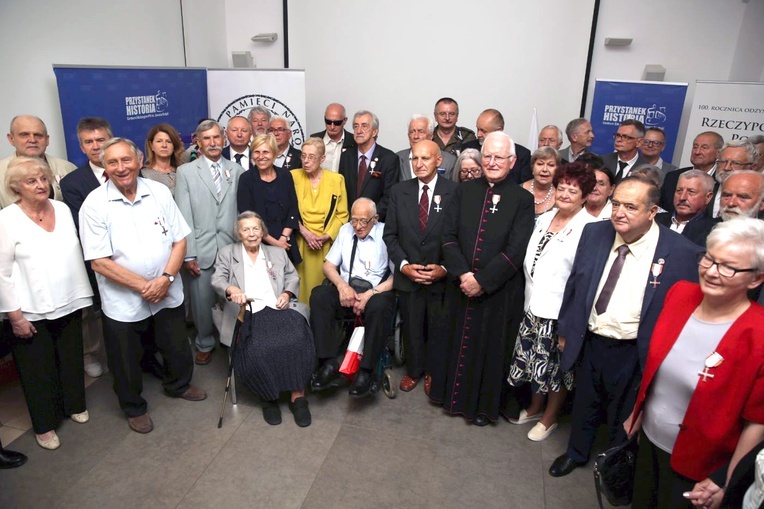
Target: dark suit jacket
x,y
376,188
697,231
76,186
521,171
611,162
227,155
293,160
680,263
447,164
347,142
403,237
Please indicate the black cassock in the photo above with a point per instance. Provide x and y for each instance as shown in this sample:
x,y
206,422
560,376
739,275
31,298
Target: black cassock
x,y
486,232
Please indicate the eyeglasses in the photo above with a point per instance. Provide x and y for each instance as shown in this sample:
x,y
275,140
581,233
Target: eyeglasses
x,y
308,157
363,222
471,173
619,136
723,269
722,163
280,130
498,159
651,143
333,122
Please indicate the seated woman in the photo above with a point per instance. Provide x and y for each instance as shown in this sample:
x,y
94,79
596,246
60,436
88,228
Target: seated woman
x,y
43,288
701,402
544,163
468,166
548,262
275,353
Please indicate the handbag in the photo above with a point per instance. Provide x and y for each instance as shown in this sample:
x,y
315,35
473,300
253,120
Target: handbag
x,y
614,472
354,353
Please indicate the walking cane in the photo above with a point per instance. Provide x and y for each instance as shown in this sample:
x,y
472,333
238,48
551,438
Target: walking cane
x,y
236,334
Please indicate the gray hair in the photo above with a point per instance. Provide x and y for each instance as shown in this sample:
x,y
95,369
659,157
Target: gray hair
x,y
113,141
206,125
20,167
756,139
248,214
750,148
430,121
503,135
281,119
573,126
14,119
470,153
552,126
746,232
374,119
706,180
648,171
718,140
545,153
261,110
369,202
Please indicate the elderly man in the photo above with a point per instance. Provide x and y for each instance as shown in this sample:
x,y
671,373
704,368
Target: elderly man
x,y
239,134
580,135
485,235
134,236
422,128
29,137
550,136
620,276
758,142
705,150
370,170
490,121
652,145
413,236
735,155
627,141
259,120
336,138
450,137
288,157
357,266
206,194
693,193
742,195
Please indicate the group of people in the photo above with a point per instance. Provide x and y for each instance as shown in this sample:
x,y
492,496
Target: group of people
x,y
617,276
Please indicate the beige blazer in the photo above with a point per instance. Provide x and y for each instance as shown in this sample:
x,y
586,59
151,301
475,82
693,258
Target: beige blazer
x,y
229,271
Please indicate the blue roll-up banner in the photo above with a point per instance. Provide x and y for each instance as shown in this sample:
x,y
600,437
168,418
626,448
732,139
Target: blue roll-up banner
x,y
131,99
654,103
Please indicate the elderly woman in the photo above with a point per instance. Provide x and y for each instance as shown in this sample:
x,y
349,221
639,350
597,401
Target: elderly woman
x,y
270,192
275,353
323,206
468,166
164,153
544,162
43,288
547,265
701,402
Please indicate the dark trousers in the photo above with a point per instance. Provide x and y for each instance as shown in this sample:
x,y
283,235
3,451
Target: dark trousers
x,y
656,484
124,351
607,381
50,368
422,329
325,310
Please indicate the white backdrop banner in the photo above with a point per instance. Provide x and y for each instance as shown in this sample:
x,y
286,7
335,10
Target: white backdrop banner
x,y
734,110
234,92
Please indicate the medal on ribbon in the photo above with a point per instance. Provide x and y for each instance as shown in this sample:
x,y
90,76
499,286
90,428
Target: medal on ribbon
x,y
437,199
367,266
495,199
712,361
656,270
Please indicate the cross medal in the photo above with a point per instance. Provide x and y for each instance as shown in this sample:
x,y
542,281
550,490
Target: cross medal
x,y
367,266
712,361
436,199
657,270
495,199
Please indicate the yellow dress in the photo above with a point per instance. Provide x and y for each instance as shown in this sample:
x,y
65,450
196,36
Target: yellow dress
x,y
323,211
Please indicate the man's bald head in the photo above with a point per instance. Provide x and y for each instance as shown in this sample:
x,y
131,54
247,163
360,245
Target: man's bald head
x,y
488,121
425,160
28,135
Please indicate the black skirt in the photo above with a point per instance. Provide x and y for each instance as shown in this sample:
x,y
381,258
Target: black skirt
x,y
275,352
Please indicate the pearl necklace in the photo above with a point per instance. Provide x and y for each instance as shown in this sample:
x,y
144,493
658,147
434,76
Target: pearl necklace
x,y
548,194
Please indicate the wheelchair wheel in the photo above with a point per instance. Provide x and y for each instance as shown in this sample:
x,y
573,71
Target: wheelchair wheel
x,y
389,386
400,354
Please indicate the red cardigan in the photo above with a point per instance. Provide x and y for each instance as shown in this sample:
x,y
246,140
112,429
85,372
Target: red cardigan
x,y
714,419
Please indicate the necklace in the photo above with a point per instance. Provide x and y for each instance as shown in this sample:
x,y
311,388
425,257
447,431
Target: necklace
x,y
548,194
31,215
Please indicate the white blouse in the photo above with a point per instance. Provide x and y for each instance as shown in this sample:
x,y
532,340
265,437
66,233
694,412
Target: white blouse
x,y
42,273
257,284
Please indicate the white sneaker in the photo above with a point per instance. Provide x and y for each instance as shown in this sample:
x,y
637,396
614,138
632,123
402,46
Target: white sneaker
x,y
540,432
94,370
524,417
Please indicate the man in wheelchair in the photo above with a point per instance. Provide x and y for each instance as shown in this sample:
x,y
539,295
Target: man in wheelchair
x,y
359,284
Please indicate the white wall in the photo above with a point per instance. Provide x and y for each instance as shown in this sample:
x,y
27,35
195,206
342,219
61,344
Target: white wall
x,y
692,39
35,34
204,22
748,63
245,18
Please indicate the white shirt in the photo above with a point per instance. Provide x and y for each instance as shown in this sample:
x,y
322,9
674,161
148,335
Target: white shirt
x,y
371,261
139,237
333,152
628,167
257,286
41,273
98,172
244,160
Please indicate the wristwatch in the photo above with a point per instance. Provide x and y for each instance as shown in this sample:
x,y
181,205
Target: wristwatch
x,y
169,276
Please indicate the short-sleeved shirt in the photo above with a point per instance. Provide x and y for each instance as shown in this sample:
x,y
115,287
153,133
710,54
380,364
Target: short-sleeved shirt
x,y
371,261
139,237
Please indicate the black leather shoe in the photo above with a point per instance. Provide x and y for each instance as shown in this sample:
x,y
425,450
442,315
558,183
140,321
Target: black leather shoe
x,y
563,465
326,374
11,459
361,386
481,420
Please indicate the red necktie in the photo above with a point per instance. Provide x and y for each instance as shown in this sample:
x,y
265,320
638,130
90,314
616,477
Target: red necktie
x,y
361,175
424,209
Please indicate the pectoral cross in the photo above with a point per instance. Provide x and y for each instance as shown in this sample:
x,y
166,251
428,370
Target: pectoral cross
x,y
705,374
